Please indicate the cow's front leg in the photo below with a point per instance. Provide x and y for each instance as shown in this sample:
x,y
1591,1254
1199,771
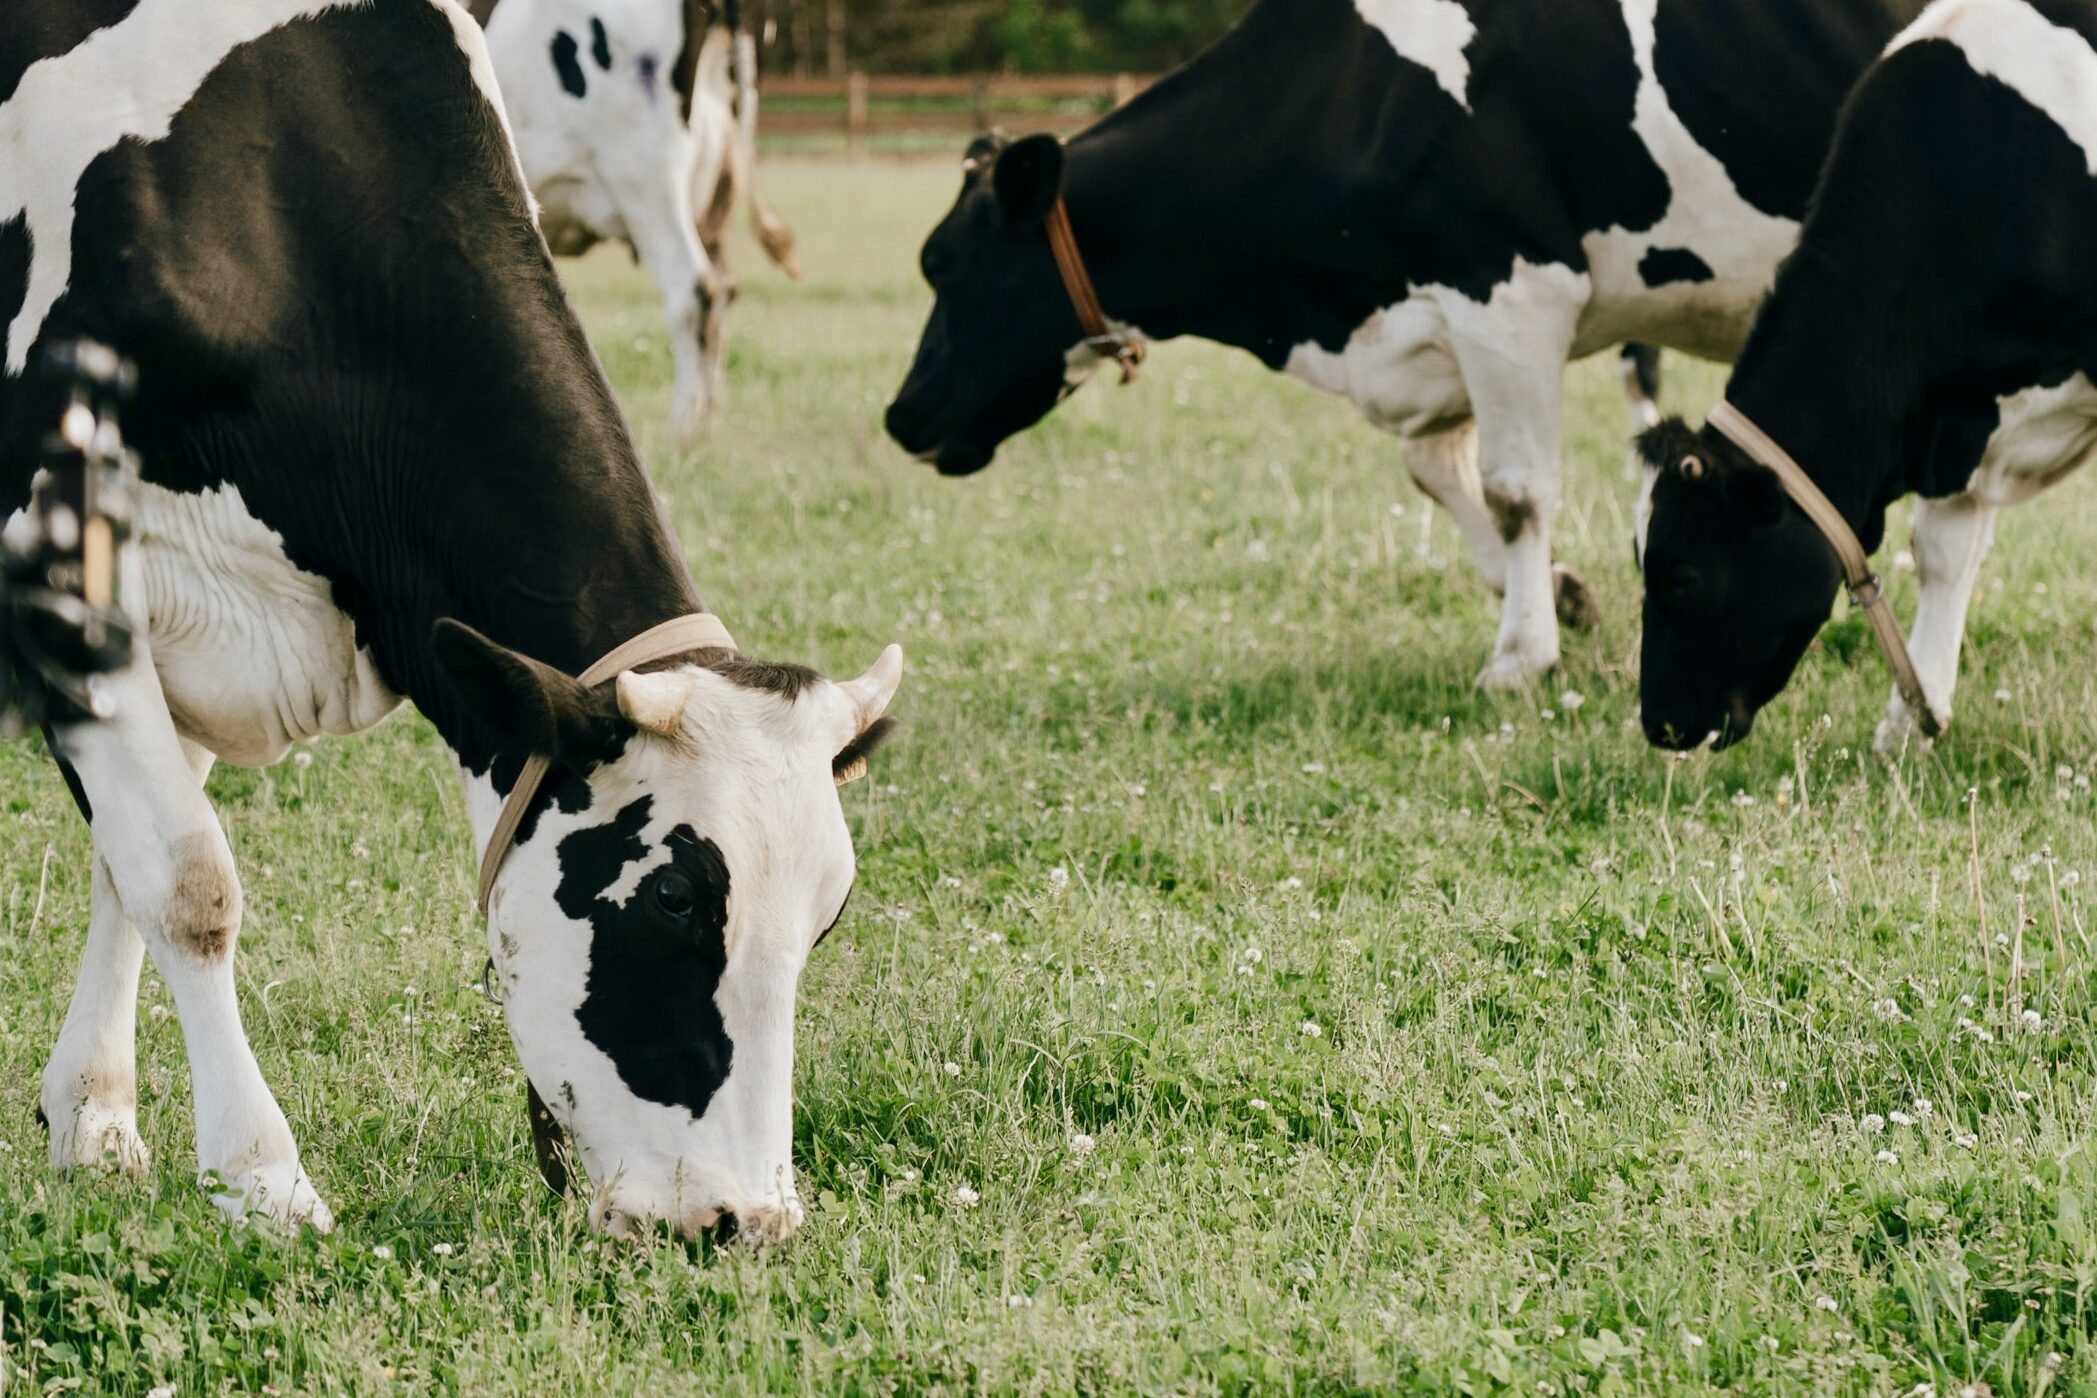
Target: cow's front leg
x,y
90,1090
1951,539
1512,352
173,878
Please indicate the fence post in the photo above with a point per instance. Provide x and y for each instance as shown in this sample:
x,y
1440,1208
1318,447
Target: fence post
x,y
1124,89
855,110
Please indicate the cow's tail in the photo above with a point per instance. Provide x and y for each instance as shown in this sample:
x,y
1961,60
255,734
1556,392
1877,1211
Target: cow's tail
x,y
772,230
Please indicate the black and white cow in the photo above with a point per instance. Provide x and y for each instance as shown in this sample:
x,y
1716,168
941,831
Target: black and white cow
x,y
1428,206
636,120
381,463
1935,334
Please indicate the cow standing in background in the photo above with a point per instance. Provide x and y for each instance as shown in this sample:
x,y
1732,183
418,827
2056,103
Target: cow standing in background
x,y
381,463
1935,334
637,120
1424,205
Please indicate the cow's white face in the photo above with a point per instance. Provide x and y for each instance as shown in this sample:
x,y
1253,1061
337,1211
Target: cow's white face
x,y
650,926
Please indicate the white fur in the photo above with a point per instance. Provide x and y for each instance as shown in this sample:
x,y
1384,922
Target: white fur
x,y
128,80
621,162
214,581
751,772
1420,368
2052,67
1431,33
1741,244
2045,435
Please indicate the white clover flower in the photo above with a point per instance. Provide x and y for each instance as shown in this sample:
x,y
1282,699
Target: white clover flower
x,y
951,1068
1692,1339
1889,1011
1258,1104
1887,1157
1081,1145
442,1249
1314,769
967,1198
1018,1302
1309,1029
1925,1108
1741,798
1571,701
1964,1140
1825,1303
1058,877
1253,956
1900,1118
161,1390
383,1253
1872,1124
2031,1019
2022,1096
2003,696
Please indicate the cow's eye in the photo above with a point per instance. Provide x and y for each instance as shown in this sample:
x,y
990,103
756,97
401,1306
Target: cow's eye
x,y
673,896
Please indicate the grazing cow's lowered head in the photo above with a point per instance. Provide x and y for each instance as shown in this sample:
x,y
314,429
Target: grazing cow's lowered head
x,y
1738,582
649,926
1004,344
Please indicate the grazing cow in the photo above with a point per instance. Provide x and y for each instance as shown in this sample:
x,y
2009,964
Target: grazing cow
x,y
1935,334
381,463
1425,205
637,119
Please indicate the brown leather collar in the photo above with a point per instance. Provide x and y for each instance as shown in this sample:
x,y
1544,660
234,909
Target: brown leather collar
x,y
1101,338
1864,590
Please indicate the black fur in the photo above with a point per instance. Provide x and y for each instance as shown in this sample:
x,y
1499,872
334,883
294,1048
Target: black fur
x,y
650,1005
600,45
1289,217
1663,266
1946,263
568,65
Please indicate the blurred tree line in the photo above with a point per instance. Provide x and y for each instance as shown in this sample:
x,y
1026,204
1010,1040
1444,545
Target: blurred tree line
x,y
977,36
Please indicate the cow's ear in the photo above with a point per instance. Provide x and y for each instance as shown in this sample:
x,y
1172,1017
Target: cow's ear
x,y
529,703
870,696
1673,446
1029,178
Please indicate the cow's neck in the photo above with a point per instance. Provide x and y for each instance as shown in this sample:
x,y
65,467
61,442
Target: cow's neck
x,y
1204,207
1821,376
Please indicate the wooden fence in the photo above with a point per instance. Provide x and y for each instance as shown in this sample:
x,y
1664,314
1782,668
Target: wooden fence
x,y
862,108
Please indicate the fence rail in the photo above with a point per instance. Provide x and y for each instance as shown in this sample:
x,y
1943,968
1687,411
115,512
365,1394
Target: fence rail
x,y
863,108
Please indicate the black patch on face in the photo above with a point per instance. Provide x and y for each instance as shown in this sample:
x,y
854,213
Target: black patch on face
x,y
566,64
600,45
1666,266
14,268
656,960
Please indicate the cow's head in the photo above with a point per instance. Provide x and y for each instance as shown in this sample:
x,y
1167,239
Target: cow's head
x,y
1738,581
1003,345
651,921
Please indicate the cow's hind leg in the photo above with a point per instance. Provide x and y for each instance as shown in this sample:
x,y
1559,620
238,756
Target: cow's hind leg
x,y
172,876
1445,468
1512,351
1951,539
90,1090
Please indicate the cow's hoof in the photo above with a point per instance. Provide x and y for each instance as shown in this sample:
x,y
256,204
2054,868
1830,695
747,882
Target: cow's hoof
x,y
1509,672
102,1138
274,1194
1898,732
1577,607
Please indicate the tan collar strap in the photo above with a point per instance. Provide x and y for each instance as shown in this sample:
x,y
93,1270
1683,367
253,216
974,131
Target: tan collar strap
x,y
1101,338
1864,589
686,633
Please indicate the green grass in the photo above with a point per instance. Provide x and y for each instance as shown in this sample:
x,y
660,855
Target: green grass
x,y
1191,760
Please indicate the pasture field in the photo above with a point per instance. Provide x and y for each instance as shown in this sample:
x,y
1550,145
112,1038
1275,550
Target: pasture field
x,y
1234,1000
